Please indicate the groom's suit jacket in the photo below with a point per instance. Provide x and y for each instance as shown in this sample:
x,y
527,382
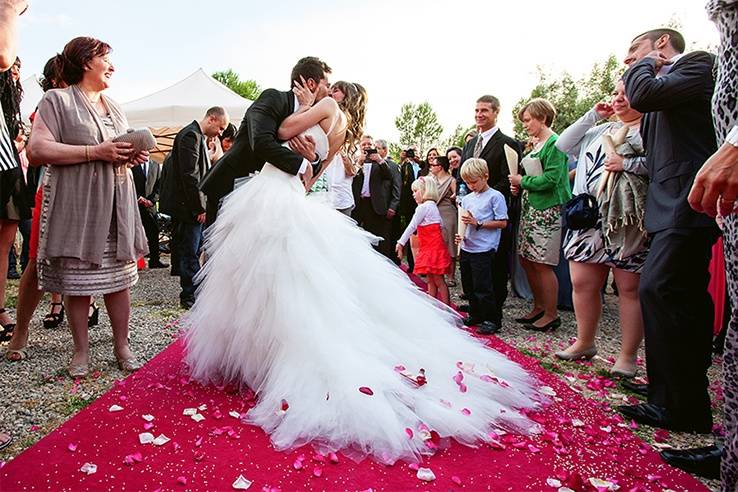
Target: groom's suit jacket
x,y
256,143
677,132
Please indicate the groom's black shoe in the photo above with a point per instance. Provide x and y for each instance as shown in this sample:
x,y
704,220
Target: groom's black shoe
x,y
472,321
637,388
704,462
487,328
656,416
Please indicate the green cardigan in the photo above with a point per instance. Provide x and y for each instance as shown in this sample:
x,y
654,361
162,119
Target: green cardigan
x,y
552,187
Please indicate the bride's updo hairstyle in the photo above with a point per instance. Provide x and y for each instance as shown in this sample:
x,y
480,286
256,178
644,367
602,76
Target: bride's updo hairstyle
x,y
77,54
354,107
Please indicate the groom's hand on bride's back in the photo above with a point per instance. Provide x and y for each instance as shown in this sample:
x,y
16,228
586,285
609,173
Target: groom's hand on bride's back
x,y
305,146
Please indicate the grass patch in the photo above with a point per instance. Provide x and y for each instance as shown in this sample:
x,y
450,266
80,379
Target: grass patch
x,y
528,352
551,367
76,403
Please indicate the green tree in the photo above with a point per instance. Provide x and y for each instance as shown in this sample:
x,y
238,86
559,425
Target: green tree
x,y
572,98
418,125
244,88
456,139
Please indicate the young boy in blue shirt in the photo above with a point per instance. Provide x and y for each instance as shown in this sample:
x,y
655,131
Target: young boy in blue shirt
x,y
485,218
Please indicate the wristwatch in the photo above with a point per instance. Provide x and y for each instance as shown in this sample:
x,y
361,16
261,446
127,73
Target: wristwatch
x,y
732,137
479,225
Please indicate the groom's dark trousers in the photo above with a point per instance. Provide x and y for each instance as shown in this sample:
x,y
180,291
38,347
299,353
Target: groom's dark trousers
x,y
678,137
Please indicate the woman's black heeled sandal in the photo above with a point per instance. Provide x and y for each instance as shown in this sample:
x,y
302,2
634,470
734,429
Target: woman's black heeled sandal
x,y
93,318
53,320
7,329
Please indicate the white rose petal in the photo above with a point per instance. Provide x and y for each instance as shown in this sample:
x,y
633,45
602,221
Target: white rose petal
x,y
197,417
88,468
189,411
146,438
115,408
161,440
603,484
202,407
552,482
565,489
241,483
234,414
607,429
147,417
547,390
577,423
426,474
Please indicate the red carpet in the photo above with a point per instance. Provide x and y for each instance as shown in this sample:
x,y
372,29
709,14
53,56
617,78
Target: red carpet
x,y
581,442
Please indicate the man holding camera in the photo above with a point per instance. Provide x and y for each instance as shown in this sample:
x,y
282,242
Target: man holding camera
x,y
372,187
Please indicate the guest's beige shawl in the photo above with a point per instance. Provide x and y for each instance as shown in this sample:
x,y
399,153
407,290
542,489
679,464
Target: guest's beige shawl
x,y
80,199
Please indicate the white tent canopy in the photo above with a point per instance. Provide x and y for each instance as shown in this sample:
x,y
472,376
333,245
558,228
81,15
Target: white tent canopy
x,y
32,95
187,100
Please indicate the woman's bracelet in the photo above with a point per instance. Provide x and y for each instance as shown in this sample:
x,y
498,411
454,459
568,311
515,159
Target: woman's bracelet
x,y
87,153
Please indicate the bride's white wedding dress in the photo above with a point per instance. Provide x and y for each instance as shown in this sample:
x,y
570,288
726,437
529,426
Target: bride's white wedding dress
x,y
295,303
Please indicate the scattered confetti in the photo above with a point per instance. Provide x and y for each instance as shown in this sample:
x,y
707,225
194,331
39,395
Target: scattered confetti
x,y
147,418
146,438
189,411
198,417
161,440
88,468
425,474
115,408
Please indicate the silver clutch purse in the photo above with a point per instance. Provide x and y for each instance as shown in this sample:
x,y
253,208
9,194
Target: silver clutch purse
x,y
141,139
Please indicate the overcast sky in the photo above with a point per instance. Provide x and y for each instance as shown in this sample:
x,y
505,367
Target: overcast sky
x,y
445,52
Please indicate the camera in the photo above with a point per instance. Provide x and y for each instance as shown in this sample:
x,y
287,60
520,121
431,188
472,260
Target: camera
x,y
369,152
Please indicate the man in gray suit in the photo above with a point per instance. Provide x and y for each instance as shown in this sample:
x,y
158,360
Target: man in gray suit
x,y
146,179
396,186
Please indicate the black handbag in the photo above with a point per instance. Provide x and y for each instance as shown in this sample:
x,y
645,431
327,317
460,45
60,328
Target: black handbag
x,y
581,212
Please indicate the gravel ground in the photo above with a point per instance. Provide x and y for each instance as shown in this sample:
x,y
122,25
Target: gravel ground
x,y
36,395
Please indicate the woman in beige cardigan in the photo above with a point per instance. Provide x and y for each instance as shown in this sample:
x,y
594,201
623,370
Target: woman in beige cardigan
x,y
90,231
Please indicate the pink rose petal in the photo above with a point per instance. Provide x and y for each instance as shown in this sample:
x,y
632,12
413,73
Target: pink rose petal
x,y
72,447
333,458
148,426
366,391
297,465
317,472
466,411
456,480
182,480
284,405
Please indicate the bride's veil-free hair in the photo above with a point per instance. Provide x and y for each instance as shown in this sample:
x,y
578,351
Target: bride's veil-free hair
x,y
354,107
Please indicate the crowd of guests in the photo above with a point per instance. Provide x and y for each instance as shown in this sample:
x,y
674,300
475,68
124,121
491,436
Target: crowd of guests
x,y
485,209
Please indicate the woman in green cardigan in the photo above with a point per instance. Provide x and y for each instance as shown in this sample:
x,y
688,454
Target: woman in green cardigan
x,y
544,189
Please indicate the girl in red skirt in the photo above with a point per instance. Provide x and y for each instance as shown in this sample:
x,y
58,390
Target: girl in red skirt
x,y
432,259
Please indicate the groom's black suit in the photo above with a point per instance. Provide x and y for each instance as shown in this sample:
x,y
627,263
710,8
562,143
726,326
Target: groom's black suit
x,y
256,143
678,136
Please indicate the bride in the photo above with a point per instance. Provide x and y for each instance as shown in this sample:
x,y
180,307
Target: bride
x,y
343,350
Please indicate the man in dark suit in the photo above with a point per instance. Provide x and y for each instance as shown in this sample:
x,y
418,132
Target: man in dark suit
x,y
184,168
372,187
410,170
489,145
674,91
146,179
395,186
256,141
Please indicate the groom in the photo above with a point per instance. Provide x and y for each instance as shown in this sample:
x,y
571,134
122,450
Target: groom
x,y
257,142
